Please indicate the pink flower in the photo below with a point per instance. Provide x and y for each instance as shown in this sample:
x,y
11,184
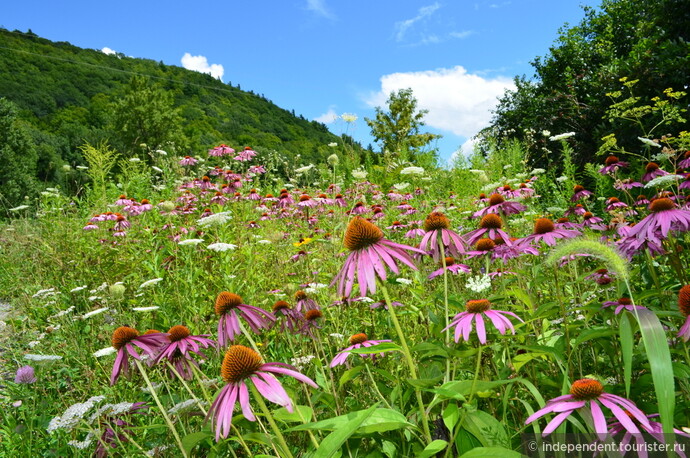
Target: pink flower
x,y
498,204
221,150
229,308
612,164
370,254
124,340
356,341
242,365
452,267
188,161
545,230
475,311
624,303
25,375
181,348
437,230
588,394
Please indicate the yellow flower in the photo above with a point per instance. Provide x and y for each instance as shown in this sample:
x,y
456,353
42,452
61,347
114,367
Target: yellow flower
x,y
303,241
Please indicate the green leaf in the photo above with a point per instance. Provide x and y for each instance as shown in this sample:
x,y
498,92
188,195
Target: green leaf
x,y
491,452
433,448
282,414
486,428
380,420
332,443
626,338
349,375
659,357
379,348
520,360
595,333
193,439
451,415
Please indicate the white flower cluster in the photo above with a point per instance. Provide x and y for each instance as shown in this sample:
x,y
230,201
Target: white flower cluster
x,y
360,174
664,180
145,309
70,418
649,142
19,208
537,172
312,288
479,283
412,171
192,242
94,313
349,117
215,220
305,168
148,283
562,178
42,294
104,352
62,313
77,289
401,186
555,138
39,358
301,361
404,281
220,247
184,406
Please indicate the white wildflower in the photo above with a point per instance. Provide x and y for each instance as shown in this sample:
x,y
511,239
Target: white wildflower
x,y
366,299
215,220
648,141
94,312
145,309
349,117
664,180
39,358
77,289
19,208
360,174
82,167
305,168
74,413
314,287
148,283
81,445
555,138
154,385
507,166
403,281
184,406
157,169
401,186
264,242
105,352
478,283
546,133
192,242
562,178
161,152
537,171
333,144
134,159
62,313
301,361
335,335
412,171
94,298
44,293
219,246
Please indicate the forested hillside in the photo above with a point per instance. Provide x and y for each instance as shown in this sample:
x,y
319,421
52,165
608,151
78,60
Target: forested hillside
x,y
62,96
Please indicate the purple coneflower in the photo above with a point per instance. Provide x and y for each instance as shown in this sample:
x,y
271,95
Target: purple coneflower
x,y
490,226
476,310
304,303
664,217
310,321
498,204
600,276
188,161
288,317
452,267
359,209
306,202
247,154
545,230
652,171
182,347
579,192
626,184
577,209
684,307
221,150
25,375
589,394
614,203
112,438
356,341
624,303
437,230
241,365
369,256
655,430
229,308
124,340
612,164
593,222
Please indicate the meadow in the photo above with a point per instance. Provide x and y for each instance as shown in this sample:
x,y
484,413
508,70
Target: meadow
x,y
231,303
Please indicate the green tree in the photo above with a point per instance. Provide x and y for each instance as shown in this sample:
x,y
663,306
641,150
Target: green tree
x,y
146,115
19,158
397,130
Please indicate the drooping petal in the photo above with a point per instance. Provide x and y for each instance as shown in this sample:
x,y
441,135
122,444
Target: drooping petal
x,y
599,420
556,422
481,329
292,373
244,402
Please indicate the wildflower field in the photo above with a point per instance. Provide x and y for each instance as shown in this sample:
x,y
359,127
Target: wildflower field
x,y
207,305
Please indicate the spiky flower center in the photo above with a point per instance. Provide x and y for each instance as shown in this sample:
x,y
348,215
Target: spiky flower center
x,y
624,301
239,363
226,302
358,338
360,234
485,244
482,196
300,295
602,271
491,221
436,220
651,167
178,333
586,389
684,300
495,199
543,226
613,200
359,204
662,204
562,220
506,187
611,160
578,188
281,305
450,261
312,315
304,198
587,215
123,335
477,305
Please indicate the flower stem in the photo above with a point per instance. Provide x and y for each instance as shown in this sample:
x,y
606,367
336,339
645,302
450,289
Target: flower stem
x,y
373,381
410,363
160,407
271,421
186,386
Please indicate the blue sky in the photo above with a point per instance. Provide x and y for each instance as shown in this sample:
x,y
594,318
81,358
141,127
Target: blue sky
x,y
324,58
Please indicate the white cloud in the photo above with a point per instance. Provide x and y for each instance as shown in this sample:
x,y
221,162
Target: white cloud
x,y
458,102
403,26
108,51
328,117
319,7
200,64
